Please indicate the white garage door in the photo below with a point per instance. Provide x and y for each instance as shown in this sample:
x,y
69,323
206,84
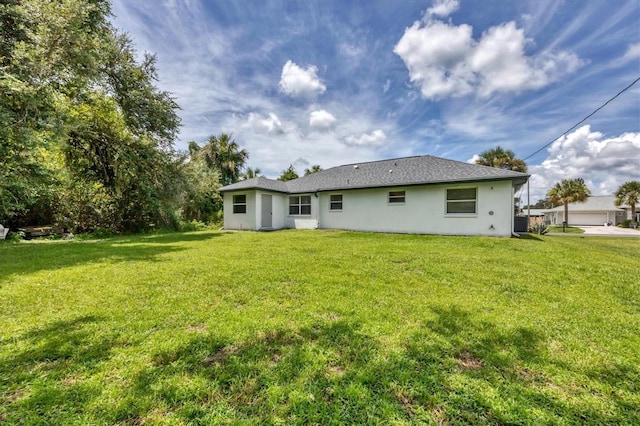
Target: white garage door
x,y
587,218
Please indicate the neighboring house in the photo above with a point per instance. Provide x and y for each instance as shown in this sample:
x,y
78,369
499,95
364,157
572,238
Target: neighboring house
x,y
535,215
597,210
423,195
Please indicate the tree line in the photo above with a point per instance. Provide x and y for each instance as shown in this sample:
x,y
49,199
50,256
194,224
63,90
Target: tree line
x,y
86,137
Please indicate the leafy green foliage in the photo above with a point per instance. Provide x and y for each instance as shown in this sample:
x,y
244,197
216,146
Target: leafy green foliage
x,y
568,191
201,199
347,328
501,158
625,223
629,194
540,204
288,174
251,173
223,154
85,135
313,169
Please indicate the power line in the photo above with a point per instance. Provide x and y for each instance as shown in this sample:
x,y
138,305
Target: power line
x,y
584,119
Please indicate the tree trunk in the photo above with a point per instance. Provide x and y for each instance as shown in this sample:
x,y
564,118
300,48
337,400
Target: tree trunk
x,y
566,213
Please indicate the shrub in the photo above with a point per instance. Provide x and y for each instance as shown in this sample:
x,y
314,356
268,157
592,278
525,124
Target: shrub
x,y
193,225
539,228
625,223
15,236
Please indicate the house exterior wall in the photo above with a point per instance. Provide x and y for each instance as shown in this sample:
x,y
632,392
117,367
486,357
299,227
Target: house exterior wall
x,y
424,210
277,206
240,220
302,221
252,219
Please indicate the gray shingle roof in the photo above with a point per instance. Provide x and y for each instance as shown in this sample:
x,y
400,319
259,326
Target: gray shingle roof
x,y
386,173
259,182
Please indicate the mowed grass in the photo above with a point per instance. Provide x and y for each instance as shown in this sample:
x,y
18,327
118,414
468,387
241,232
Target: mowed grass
x,y
322,327
568,229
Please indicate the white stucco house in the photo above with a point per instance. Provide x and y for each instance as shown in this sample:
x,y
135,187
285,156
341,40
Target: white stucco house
x,y
422,195
597,210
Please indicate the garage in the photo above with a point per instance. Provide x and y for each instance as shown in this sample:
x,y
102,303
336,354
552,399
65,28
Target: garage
x,y
596,211
584,218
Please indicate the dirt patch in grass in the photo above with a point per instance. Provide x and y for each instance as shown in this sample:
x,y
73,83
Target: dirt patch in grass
x,y
199,328
221,356
440,416
408,404
468,361
335,371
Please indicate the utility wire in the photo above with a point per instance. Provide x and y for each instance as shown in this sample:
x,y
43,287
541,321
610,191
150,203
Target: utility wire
x,y
584,119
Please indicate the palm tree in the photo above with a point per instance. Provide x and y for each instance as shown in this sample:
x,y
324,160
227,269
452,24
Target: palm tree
x,y
501,158
568,191
288,174
629,193
314,169
193,148
224,154
251,173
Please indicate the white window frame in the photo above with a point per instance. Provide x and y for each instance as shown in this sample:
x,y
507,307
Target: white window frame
x,y
332,202
396,197
299,204
239,203
465,200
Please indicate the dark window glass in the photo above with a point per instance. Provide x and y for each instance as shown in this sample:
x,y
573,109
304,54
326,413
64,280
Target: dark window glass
x,y
396,196
300,205
240,204
461,200
336,202
461,194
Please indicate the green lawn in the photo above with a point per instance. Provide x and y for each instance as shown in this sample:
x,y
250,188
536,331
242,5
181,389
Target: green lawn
x,y
569,229
320,327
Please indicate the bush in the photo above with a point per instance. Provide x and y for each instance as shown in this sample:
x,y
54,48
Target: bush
x,y
539,228
15,236
625,223
193,225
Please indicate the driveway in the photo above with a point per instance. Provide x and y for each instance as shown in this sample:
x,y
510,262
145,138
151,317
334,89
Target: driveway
x,y
610,231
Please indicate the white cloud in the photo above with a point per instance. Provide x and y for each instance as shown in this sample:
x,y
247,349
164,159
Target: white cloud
x,y
632,53
322,120
442,8
261,124
474,159
387,86
604,163
300,82
375,138
445,60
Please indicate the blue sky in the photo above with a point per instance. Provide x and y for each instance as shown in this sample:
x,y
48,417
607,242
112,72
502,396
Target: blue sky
x,y
335,82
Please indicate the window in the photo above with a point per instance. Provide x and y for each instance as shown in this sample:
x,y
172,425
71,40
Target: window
x,y
240,203
461,201
396,197
300,205
335,203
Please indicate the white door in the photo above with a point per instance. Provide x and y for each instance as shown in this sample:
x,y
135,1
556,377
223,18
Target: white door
x,y
267,211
